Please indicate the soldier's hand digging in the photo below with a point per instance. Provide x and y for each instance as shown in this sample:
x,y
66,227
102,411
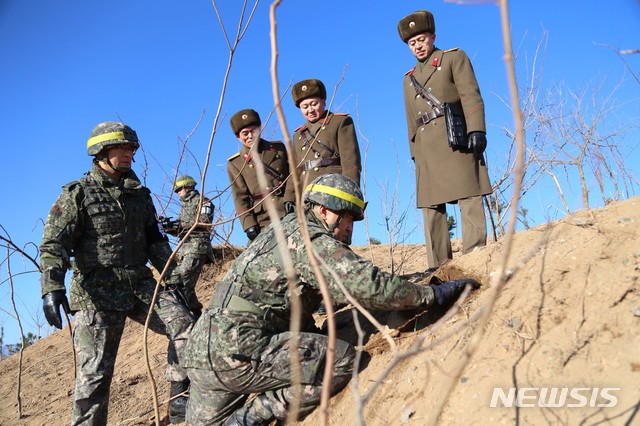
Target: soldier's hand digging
x,y
449,291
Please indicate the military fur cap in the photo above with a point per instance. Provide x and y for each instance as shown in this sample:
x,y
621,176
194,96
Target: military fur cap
x,y
419,22
307,89
244,118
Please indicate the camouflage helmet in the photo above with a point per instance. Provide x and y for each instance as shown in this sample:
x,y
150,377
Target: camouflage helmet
x,y
338,193
108,134
182,181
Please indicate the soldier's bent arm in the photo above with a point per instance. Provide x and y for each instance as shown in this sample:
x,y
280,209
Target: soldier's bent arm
x,y
241,197
349,150
469,91
61,231
373,288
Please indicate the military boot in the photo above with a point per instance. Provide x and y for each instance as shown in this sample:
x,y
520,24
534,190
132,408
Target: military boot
x,y
256,413
178,404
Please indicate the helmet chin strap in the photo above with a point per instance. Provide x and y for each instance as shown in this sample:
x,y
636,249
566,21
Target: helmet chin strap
x,y
105,160
329,227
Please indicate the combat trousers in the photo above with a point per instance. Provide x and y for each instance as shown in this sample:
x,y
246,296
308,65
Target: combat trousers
x,y
436,230
96,336
215,395
190,267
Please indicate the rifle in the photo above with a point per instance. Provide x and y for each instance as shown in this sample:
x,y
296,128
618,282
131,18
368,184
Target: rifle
x,y
169,225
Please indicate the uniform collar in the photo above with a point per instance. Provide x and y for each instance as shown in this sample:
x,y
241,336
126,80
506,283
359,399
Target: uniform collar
x,y
128,180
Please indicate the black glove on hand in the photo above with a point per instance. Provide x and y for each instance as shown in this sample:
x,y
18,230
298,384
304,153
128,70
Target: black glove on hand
x,y
289,207
477,141
252,232
449,291
51,306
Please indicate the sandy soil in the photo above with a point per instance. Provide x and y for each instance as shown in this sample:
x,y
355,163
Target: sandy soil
x,y
568,317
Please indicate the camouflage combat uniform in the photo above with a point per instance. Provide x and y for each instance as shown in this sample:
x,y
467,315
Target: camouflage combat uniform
x,y
110,229
196,249
240,345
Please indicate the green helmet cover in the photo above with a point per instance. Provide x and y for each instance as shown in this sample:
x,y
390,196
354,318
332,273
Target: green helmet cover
x,y
182,181
110,133
337,193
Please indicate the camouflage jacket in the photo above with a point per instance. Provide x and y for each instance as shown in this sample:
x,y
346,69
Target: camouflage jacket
x,y
199,241
251,303
110,230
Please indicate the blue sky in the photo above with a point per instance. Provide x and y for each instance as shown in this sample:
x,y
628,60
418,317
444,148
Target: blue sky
x,y
159,67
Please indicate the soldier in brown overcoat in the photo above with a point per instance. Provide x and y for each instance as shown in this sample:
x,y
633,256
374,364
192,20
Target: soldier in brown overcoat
x,y
327,142
248,195
444,174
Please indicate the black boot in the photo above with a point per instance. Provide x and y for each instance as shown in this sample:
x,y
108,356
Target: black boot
x,y
178,404
256,413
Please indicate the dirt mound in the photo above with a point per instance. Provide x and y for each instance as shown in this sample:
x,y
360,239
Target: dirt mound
x,y
567,322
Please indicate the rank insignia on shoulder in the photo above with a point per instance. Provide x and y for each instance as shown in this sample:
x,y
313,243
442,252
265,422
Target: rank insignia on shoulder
x,y
410,72
453,49
237,154
301,128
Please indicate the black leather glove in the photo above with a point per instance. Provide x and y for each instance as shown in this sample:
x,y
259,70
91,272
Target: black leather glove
x,y
289,207
51,306
449,291
477,141
252,232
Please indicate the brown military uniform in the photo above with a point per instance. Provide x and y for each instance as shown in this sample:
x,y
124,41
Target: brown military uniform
x,y
444,175
248,195
329,145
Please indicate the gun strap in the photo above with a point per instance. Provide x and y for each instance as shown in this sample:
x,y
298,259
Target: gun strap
x,y
268,169
317,141
433,102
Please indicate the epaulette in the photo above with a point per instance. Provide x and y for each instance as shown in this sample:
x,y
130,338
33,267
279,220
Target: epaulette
x,y
237,154
340,114
301,128
453,49
410,71
69,186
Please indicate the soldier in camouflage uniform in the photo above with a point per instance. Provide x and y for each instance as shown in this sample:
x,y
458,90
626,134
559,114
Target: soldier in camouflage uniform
x,y
327,142
241,343
107,223
248,195
196,248
444,174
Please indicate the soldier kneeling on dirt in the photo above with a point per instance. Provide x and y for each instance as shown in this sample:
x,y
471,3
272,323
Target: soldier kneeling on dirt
x,y
241,343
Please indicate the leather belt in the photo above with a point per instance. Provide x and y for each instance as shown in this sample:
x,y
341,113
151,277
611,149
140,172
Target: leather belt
x,y
321,162
258,197
428,116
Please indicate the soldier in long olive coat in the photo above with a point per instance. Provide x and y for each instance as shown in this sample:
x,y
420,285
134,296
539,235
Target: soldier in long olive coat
x,y
327,142
444,174
248,195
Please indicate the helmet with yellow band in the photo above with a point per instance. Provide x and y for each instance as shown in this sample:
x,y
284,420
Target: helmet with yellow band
x,y
110,133
337,193
182,181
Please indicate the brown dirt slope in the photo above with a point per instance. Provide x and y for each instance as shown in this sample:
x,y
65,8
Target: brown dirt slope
x,y
569,317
